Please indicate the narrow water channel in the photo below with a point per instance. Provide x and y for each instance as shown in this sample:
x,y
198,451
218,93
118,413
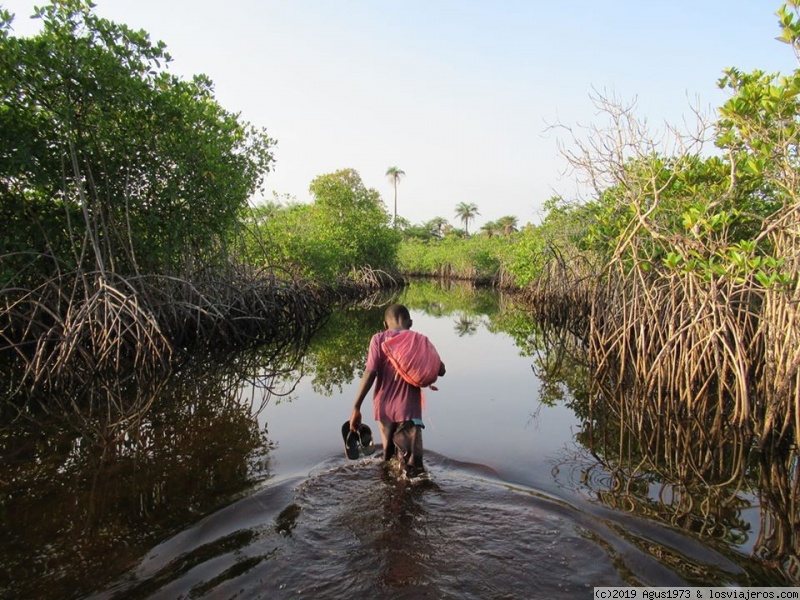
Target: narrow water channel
x,y
238,485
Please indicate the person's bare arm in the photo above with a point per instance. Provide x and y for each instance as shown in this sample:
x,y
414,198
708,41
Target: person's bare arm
x,y
363,389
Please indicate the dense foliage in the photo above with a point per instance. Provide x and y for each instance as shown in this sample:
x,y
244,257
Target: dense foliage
x,y
499,253
346,227
697,256
109,162
121,191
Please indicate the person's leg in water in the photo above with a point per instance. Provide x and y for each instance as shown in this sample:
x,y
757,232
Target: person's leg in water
x,y
408,443
387,434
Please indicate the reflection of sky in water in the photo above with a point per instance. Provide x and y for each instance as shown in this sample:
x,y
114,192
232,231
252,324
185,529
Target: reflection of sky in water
x,y
486,411
751,515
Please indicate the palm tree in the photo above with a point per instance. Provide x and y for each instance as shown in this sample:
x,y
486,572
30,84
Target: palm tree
x,y
489,228
394,174
436,226
507,224
466,212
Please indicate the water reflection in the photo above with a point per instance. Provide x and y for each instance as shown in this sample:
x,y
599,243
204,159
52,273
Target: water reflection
x,y
649,458
465,325
703,477
645,496
83,498
449,297
710,481
336,355
559,360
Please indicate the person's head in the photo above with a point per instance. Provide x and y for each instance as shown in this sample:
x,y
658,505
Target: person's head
x,y
397,317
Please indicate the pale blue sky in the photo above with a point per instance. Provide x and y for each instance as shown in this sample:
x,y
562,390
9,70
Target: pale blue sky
x,y
458,94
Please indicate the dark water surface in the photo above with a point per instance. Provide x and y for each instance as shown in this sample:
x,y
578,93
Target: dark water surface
x,y
248,493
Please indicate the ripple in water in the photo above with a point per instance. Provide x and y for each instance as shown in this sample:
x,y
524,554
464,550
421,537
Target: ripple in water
x,y
358,530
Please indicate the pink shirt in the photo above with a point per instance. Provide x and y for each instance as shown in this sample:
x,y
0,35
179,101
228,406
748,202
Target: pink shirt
x,y
394,399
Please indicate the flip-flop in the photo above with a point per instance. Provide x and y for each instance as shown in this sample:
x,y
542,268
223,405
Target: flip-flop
x,y
365,436
350,441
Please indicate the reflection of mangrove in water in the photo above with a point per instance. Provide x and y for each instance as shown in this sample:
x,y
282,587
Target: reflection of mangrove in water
x,y
699,478
558,360
82,498
444,298
655,459
557,357
465,325
337,353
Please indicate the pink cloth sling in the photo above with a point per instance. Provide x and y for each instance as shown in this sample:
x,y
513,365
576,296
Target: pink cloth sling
x,y
414,358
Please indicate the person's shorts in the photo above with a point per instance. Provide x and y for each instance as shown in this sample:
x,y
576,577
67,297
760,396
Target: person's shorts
x,y
405,442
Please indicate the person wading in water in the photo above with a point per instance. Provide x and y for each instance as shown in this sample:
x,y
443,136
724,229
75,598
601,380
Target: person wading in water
x,y
399,363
